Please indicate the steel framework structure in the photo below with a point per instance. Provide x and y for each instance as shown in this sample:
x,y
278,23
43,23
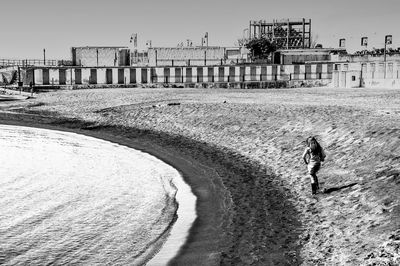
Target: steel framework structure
x,y
287,33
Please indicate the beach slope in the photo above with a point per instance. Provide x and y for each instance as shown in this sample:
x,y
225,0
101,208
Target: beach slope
x,y
255,205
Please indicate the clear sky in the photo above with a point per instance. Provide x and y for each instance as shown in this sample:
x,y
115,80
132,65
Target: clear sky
x,y
29,26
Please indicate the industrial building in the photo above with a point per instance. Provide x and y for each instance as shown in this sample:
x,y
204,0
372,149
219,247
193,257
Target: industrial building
x,y
298,63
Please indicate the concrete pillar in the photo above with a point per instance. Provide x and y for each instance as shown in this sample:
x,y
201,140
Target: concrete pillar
x,y
324,74
54,76
269,73
205,74
278,73
127,75
115,75
38,75
247,73
69,76
302,74
314,71
101,76
216,74
85,76
258,73
172,75
194,73
159,71
139,75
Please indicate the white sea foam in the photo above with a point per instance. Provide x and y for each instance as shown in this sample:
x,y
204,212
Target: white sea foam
x,y
71,199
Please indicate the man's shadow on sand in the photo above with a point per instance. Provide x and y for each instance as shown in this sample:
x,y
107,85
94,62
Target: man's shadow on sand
x,y
332,189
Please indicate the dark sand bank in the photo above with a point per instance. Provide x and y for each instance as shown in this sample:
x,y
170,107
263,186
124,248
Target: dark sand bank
x,y
257,204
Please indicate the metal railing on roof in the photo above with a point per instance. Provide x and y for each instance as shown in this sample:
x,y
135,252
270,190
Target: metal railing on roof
x,y
27,62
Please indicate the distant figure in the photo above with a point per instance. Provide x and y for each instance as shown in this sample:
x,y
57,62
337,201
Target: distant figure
x,y
313,156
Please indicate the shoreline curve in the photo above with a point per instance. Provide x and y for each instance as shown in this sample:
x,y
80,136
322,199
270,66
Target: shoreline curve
x,y
167,245
188,169
243,216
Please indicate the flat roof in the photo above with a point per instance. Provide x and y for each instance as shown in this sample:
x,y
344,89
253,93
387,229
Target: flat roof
x,y
88,47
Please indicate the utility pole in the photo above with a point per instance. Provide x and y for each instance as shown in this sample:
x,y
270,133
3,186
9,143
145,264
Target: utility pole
x,y
388,40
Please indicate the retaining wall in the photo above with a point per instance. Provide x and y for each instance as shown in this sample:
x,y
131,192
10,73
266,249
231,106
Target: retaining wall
x,y
60,76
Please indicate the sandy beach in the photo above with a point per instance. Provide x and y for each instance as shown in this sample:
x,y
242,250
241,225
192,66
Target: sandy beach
x,y
240,151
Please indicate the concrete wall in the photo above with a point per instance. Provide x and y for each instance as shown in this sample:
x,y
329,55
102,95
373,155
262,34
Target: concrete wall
x,y
100,56
382,83
368,58
293,56
183,56
366,74
197,74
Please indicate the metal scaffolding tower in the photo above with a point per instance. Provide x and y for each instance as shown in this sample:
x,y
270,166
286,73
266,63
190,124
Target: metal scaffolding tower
x,y
289,34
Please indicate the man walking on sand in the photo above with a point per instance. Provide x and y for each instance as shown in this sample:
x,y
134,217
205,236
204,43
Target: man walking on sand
x,y
313,156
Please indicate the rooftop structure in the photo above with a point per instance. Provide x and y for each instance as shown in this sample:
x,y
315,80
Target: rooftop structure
x,y
100,56
289,34
199,55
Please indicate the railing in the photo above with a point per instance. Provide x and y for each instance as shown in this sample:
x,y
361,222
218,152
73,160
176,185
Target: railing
x,y
28,62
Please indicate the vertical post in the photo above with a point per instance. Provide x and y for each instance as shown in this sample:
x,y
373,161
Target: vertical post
x,y
205,57
384,53
384,61
97,57
304,32
19,81
287,35
309,34
156,55
44,56
19,74
250,29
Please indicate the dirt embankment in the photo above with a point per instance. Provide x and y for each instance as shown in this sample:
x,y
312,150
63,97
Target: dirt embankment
x,y
254,141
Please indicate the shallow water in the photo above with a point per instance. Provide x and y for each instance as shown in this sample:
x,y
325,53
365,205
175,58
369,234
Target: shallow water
x,y
70,199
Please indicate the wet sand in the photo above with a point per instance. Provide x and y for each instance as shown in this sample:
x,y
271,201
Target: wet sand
x,y
240,151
